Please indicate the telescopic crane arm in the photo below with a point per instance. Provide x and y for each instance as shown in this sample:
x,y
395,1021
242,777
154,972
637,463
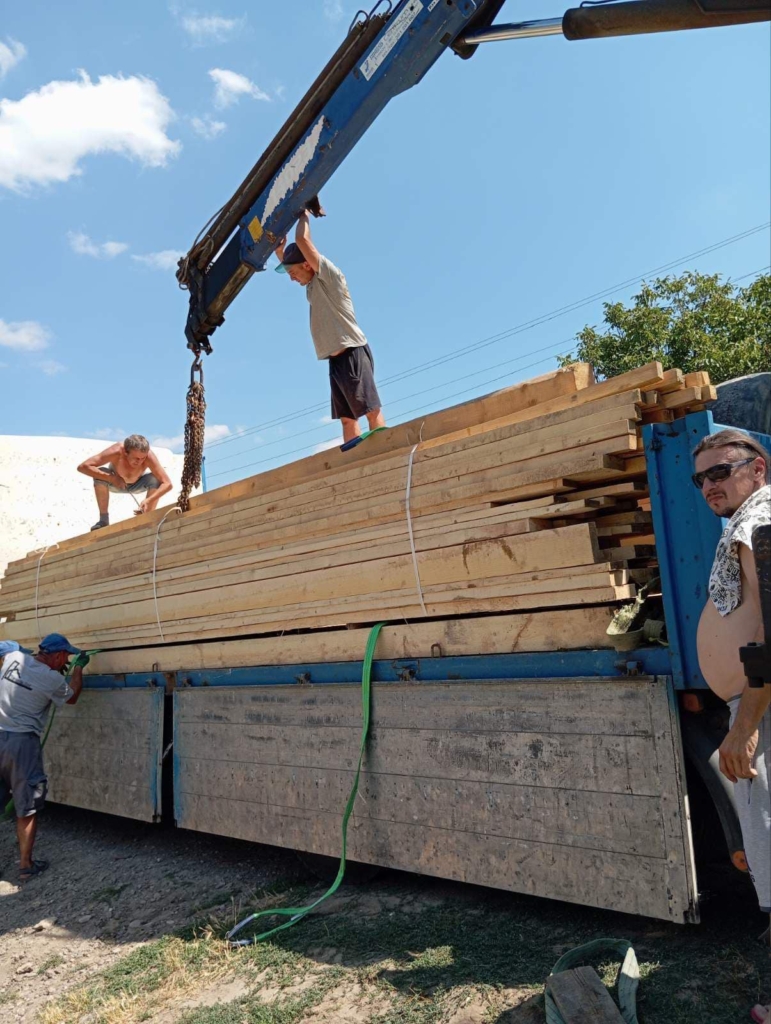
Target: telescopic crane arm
x,y
384,53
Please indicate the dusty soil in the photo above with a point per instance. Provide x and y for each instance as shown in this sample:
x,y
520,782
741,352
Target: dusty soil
x,y
112,885
127,925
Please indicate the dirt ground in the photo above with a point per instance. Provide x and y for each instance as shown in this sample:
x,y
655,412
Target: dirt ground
x,y
112,885
128,923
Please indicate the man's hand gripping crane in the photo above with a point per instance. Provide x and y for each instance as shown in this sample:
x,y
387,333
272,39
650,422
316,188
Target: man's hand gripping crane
x,y
384,53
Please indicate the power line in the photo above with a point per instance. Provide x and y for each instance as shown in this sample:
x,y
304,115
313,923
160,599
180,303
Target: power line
x,y
421,408
510,332
404,397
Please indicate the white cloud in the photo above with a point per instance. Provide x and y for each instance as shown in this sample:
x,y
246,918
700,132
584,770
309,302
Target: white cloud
x,y
229,87
333,10
210,28
212,432
25,335
167,259
10,54
84,246
326,420
51,367
109,434
326,445
45,135
207,127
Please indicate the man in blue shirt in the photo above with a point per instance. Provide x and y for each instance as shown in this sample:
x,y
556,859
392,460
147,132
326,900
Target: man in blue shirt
x,y
29,685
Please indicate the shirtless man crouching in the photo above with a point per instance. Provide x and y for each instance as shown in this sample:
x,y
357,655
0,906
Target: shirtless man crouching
x,y
733,472
130,467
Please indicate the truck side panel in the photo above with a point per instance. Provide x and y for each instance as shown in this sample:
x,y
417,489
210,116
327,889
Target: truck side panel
x,y
104,753
566,788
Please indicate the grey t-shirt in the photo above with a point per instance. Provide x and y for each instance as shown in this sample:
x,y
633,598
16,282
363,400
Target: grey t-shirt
x,y
333,320
27,689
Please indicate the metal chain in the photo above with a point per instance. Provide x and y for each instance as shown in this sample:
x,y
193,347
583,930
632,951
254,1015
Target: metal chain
x,y
194,435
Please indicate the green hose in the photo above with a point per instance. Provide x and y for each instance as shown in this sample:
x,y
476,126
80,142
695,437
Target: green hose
x,y
296,913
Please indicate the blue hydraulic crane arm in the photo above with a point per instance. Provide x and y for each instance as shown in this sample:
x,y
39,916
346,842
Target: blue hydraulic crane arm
x,y
384,53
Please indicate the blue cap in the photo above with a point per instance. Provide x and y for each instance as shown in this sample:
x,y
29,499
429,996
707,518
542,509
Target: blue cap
x,y
293,256
55,642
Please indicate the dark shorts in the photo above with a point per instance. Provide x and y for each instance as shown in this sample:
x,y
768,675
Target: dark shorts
x,y
21,772
352,380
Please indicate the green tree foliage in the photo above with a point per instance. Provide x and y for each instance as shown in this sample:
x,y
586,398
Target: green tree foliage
x,y
692,322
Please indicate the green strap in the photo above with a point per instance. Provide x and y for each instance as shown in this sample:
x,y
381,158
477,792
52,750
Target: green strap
x,y
627,981
296,913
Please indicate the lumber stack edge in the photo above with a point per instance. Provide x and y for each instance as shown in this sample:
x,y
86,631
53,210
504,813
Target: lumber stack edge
x,y
531,523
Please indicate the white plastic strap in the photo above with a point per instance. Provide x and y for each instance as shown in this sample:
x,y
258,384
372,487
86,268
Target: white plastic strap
x,y
37,587
174,508
409,529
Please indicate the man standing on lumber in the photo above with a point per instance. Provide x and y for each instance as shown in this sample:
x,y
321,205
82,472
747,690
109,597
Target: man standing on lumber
x,y
336,335
733,473
127,467
29,685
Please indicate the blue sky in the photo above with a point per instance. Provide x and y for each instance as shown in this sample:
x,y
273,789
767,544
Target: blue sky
x,y
498,190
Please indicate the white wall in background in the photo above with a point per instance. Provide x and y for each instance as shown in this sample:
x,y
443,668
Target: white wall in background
x,y
43,498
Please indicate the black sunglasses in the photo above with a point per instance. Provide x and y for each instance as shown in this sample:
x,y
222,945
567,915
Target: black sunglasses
x,y
721,471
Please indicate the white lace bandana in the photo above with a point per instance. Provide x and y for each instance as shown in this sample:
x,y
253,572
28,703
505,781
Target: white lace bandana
x,y
725,580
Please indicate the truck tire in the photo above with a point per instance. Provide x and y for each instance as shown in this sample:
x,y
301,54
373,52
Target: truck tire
x,y
745,403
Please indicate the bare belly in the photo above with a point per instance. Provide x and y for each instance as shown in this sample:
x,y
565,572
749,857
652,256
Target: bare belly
x,y
718,641
129,473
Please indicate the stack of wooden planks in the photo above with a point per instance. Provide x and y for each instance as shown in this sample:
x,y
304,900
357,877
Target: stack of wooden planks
x,y
530,499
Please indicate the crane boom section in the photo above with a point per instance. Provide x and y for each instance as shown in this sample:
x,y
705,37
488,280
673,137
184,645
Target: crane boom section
x,y
381,57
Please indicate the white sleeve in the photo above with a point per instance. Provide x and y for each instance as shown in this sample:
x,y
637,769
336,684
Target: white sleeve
x,y
328,273
61,690
62,694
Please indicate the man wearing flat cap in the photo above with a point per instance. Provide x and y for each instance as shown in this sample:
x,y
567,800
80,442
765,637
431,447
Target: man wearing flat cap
x,y
29,685
336,335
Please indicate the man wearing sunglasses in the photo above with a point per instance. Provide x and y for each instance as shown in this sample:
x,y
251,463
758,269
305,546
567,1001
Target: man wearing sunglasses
x,y
732,471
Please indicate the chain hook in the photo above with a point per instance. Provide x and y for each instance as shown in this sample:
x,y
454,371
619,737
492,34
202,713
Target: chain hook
x,y
196,368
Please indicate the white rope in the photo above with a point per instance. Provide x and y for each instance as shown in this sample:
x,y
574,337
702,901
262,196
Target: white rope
x,y
174,508
37,587
409,524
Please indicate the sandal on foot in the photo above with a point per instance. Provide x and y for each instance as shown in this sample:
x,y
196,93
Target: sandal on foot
x,y
38,867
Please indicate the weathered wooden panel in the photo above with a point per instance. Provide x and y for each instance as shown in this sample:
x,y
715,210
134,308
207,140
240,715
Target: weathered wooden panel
x,y
569,789
104,753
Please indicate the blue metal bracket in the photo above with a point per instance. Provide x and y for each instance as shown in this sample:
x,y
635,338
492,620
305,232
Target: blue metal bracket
x,y
651,661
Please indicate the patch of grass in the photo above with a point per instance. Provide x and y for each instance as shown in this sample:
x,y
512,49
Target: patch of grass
x,y
109,893
251,1010
418,963
52,961
8,996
